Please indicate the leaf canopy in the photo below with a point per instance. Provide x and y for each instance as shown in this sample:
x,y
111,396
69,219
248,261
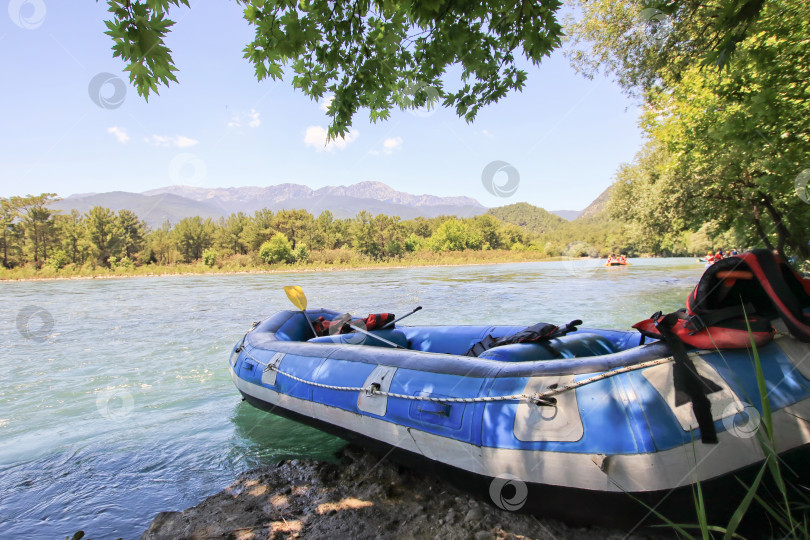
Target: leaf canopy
x,y
375,55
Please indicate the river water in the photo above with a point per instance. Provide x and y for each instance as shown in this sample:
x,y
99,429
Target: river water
x,y
115,399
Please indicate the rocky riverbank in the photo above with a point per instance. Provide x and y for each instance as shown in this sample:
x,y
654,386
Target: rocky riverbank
x,y
363,497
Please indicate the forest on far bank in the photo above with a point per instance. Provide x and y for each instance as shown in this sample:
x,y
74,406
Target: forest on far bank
x,y
35,238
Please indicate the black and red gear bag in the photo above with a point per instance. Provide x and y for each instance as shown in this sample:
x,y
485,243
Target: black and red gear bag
x,y
737,293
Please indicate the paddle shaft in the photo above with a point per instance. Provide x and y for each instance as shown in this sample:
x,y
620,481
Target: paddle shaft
x,y
397,320
375,336
314,333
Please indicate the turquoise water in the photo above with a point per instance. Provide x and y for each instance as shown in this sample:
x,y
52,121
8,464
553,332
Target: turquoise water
x,y
115,399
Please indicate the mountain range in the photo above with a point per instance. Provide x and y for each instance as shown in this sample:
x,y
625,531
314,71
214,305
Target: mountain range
x,y
173,203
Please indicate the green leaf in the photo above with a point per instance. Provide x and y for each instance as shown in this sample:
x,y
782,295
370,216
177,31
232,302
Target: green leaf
x,y
359,51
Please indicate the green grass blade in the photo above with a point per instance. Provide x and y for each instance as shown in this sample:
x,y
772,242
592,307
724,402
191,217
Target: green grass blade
x,y
711,528
667,522
701,511
697,499
768,445
738,515
779,518
767,419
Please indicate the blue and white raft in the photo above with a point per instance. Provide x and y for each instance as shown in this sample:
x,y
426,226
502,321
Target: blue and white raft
x,y
581,428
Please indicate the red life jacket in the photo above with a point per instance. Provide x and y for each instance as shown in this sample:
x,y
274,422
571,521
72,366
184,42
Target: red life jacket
x,y
755,286
733,295
340,325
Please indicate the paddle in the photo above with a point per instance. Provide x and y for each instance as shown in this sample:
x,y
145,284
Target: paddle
x,y
296,295
346,318
392,323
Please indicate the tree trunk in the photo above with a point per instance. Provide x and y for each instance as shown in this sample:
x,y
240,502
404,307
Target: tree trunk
x,y
36,245
782,230
5,247
760,230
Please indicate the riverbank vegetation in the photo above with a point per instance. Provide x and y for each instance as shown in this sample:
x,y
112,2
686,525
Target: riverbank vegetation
x,y
37,242
726,116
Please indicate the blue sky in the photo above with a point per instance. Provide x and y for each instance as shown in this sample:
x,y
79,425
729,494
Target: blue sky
x,y
565,135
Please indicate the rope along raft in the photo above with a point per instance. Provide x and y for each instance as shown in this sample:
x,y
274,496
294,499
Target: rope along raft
x,y
539,398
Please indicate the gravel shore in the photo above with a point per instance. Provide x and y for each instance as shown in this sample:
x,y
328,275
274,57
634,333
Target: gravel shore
x,y
363,497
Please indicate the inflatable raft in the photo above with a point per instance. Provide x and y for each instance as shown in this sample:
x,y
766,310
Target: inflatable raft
x,y
583,427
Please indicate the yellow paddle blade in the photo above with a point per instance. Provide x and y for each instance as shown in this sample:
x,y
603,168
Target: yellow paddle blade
x,y
296,295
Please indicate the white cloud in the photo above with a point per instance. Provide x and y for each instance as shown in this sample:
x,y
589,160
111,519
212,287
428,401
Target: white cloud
x,y
252,119
180,141
315,137
326,101
486,133
119,133
159,140
391,144
184,142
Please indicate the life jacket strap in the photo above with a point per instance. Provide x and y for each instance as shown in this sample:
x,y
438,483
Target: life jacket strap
x,y
698,321
538,333
685,376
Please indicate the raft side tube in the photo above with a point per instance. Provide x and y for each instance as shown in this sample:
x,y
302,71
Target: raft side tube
x,y
276,332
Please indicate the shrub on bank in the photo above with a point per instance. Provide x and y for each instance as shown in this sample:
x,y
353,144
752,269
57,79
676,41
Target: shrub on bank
x,y
209,257
277,250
